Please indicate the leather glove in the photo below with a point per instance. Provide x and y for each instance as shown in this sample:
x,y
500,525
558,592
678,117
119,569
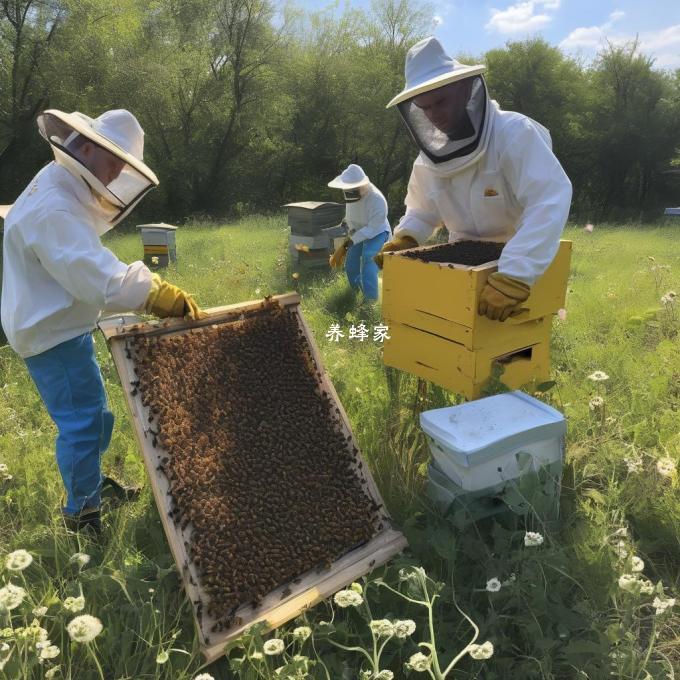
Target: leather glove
x,y
502,297
398,243
165,300
337,259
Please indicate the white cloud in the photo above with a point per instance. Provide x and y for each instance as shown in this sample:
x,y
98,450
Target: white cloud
x,y
522,17
437,21
616,15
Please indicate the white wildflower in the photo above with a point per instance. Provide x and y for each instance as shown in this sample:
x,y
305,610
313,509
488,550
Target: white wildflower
x,y
274,646
302,633
39,611
532,538
4,647
637,564
623,531
82,559
49,652
595,403
18,560
665,466
628,582
419,662
634,463
74,604
402,629
646,586
155,260
256,656
84,628
669,298
204,676
384,675
3,468
52,672
347,598
381,627
635,584
621,550
493,585
598,376
162,657
356,587
11,596
481,652
661,606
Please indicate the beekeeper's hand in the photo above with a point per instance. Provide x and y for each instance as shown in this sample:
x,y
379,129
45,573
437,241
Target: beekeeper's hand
x,y
165,300
398,243
337,259
502,297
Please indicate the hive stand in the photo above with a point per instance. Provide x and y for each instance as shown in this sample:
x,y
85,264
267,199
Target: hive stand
x,y
436,333
288,600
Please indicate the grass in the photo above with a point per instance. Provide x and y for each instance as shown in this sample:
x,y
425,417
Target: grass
x,y
615,323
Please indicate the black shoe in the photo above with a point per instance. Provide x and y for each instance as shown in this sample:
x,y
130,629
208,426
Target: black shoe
x,y
87,520
114,494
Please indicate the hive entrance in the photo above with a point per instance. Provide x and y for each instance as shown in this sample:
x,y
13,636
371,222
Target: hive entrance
x,y
262,473
469,253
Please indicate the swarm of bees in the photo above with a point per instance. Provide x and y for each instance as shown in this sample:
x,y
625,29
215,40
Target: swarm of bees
x,y
261,472
469,253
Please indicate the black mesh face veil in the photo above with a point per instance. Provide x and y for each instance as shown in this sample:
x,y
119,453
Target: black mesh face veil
x,y
351,195
447,122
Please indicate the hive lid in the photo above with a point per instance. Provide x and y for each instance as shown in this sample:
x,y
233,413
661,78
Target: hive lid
x,y
160,225
481,430
312,205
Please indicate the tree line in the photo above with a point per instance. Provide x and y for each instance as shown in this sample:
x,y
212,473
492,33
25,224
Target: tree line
x,y
249,104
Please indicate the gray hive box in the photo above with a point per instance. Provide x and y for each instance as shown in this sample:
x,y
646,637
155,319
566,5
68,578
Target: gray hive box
x,y
159,242
673,212
308,218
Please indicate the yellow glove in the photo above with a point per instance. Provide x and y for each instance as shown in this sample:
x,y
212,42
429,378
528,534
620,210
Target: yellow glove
x,y
337,259
398,243
502,296
164,300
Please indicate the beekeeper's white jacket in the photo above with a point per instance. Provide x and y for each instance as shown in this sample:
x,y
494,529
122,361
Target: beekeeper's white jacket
x,y
516,191
367,217
57,276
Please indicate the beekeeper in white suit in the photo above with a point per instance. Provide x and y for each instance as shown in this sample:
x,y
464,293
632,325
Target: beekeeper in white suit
x,y
366,219
58,277
482,172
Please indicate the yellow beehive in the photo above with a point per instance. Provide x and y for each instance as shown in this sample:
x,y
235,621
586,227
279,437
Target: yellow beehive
x,y
436,333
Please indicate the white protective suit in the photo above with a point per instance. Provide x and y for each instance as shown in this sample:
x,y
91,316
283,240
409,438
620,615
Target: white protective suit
x,y
57,275
367,217
515,191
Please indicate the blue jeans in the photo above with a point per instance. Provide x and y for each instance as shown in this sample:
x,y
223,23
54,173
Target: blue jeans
x,y
70,384
362,272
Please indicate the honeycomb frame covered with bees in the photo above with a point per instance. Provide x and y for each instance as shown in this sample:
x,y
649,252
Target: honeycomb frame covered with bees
x,y
266,503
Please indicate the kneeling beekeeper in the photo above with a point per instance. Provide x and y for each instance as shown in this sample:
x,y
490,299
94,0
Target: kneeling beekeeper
x,y
366,219
485,173
58,278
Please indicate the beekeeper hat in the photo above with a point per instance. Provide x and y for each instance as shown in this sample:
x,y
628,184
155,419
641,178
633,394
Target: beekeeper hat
x,y
352,177
429,67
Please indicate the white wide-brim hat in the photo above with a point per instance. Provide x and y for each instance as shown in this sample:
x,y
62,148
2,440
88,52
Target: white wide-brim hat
x,y
116,131
429,67
352,177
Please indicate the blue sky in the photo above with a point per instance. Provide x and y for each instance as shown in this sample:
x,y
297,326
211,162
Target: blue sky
x,y
579,27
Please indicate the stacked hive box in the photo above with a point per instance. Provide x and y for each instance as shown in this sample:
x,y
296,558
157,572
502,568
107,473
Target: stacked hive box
x,y
436,333
159,243
313,228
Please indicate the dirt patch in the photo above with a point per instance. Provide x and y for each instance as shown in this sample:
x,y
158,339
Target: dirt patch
x,y
470,253
259,467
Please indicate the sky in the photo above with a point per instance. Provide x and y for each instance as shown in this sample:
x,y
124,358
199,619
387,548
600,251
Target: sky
x,y
579,27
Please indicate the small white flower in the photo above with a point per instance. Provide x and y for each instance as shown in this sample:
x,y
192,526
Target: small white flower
x,y
532,538
665,466
154,260
52,672
562,314
381,627
384,675
18,560
82,559
595,403
481,652
419,662
661,606
204,676
634,463
623,531
598,376
4,647
493,585
11,596
637,564
84,628
256,656
302,633
347,598
273,646
646,586
74,604
621,550
356,587
628,582
257,291
49,652
3,468
39,611
669,298
402,629
589,228
162,657
151,590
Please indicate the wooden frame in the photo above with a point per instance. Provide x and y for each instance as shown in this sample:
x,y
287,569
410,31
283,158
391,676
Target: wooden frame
x,y
288,600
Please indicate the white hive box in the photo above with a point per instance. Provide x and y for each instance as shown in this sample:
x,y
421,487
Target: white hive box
x,y
483,443
159,242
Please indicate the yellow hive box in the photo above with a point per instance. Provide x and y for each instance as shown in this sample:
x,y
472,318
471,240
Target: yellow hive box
x,y
467,371
442,298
